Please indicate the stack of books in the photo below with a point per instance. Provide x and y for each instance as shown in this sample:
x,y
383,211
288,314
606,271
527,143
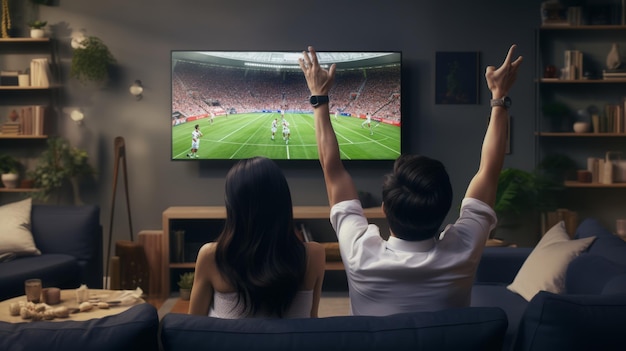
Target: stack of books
x,y
11,128
618,73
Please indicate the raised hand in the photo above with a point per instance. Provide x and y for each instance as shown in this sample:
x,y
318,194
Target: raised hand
x,y
500,80
318,79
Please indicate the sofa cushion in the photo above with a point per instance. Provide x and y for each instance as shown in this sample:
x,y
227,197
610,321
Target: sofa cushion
x,y
617,285
589,273
54,271
15,233
455,329
573,322
606,244
545,267
501,264
133,329
490,295
69,230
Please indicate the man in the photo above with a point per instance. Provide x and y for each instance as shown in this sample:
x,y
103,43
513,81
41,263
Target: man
x,y
286,131
274,127
417,268
368,122
195,142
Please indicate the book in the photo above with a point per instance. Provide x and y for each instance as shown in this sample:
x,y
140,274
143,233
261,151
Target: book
x,y
40,72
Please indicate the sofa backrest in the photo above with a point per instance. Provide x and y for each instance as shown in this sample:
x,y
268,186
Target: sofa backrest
x,y
589,274
472,328
572,322
134,329
606,244
71,230
66,229
604,260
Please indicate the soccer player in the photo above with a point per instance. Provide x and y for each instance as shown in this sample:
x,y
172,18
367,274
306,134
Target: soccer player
x,y
368,121
286,131
337,114
195,142
212,116
274,127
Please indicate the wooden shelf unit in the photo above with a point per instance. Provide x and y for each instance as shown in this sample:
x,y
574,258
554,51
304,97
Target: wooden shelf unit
x,y
554,135
218,213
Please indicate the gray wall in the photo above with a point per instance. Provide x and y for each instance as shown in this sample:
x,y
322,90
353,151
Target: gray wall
x,y
141,34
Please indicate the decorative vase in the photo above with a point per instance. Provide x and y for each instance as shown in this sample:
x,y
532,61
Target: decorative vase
x,y
613,60
13,116
582,127
185,294
36,33
10,180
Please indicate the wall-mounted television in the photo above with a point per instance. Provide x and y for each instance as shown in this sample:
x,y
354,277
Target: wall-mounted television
x,y
256,103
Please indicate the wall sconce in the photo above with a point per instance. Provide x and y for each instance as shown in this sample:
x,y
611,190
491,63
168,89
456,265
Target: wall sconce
x,y
77,116
136,89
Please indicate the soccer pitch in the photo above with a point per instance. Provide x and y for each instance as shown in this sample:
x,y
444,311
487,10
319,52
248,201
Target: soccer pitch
x,y
247,135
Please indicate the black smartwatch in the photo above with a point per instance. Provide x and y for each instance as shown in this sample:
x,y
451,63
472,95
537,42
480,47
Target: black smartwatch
x,y
317,100
505,102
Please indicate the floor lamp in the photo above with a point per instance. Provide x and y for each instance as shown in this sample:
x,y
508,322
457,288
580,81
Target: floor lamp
x,y
120,155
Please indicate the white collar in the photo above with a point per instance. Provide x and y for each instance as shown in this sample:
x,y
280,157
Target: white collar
x,y
398,244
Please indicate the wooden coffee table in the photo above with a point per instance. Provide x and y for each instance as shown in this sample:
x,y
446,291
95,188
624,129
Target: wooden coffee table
x,y
68,299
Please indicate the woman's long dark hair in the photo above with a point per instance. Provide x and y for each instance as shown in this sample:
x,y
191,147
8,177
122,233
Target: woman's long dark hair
x,y
258,251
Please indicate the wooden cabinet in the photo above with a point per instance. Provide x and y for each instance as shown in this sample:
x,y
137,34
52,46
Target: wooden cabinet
x,y
18,55
187,228
583,93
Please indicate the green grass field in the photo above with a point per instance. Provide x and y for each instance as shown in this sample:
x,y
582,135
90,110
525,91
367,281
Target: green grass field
x,y
247,135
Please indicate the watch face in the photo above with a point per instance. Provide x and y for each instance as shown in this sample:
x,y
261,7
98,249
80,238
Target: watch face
x,y
317,100
507,101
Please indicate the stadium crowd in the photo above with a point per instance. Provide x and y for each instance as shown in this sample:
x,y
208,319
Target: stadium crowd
x,y
202,89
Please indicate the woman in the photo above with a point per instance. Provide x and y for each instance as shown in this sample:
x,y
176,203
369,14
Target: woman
x,y
258,267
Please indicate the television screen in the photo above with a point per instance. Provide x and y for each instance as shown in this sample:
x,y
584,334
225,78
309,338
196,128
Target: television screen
x,y
240,104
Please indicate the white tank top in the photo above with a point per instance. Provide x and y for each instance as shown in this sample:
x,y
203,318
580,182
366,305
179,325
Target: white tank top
x,y
225,306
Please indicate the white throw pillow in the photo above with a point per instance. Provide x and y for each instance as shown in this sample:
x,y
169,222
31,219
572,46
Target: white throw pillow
x,y
15,234
545,267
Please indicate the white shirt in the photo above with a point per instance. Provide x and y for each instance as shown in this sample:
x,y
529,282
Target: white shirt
x,y
396,276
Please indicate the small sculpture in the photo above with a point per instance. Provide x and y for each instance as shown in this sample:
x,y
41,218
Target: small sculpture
x,y
613,60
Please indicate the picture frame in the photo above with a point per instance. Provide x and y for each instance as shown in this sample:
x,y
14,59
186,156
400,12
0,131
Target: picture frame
x,y
457,77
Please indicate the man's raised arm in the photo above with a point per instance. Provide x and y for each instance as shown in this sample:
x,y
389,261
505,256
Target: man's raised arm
x,y
339,184
485,183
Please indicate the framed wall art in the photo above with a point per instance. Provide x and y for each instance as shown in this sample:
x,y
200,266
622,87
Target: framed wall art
x,y
457,78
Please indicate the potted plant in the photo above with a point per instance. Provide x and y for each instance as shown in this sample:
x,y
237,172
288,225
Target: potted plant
x,y
521,197
59,164
91,59
185,283
36,28
9,168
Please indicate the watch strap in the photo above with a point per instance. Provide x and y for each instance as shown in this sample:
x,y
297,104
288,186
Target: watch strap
x,y
317,100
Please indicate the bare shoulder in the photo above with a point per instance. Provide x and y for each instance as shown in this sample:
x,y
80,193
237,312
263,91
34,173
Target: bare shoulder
x,y
207,251
315,251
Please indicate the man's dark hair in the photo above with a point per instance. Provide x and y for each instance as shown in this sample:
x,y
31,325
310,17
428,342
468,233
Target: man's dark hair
x,y
417,196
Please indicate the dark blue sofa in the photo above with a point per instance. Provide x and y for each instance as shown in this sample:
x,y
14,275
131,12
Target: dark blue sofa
x,y
70,241
456,329
589,315
134,329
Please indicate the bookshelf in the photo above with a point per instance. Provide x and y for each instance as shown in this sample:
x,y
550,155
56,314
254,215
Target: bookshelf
x,y
584,94
34,100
